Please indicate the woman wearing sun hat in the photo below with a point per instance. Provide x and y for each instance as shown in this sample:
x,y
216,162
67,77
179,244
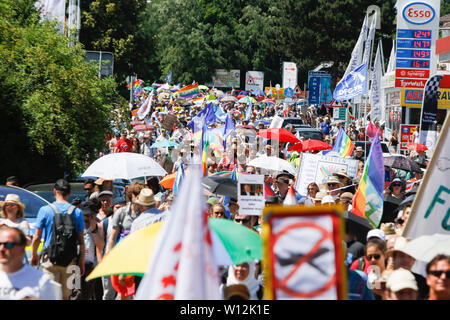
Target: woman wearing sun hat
x,y
13,212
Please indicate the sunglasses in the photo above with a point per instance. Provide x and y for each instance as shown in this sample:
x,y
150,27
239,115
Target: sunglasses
x,y
10,204
375,256
220,213
438,273
9,245
246,220
87,189
333,184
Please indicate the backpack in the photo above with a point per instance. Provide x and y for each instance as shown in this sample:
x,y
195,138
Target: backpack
x,y
63,243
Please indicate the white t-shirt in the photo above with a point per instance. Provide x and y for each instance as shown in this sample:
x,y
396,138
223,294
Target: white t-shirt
x,y
27,282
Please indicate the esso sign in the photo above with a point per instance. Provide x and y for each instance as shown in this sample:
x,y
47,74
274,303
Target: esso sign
x,y
418,13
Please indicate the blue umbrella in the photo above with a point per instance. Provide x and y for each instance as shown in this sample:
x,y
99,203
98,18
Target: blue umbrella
x,y
164,144
245,93
259,93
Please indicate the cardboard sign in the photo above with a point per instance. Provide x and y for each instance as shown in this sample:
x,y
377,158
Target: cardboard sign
x,y
317,168
251,196
169,120
303,256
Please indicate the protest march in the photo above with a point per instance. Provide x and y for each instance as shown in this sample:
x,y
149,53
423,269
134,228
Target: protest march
x,y
218,191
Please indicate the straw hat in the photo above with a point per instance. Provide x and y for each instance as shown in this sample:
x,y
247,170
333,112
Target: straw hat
x,y
319,196
236,292
388,228
13,198
342,173
146,198
334,179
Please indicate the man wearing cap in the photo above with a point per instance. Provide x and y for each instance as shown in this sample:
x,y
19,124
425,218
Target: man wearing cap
x,y
282,182
345,180
44,222
402,260
334,186
149,213
105,199
123,144
146,144
401,285
359,154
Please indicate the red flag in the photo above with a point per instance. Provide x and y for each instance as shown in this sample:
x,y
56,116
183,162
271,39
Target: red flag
x,y
371,130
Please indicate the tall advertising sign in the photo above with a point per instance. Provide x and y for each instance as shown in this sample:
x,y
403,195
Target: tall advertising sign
x,y
319,87
289,75
227,78
417,32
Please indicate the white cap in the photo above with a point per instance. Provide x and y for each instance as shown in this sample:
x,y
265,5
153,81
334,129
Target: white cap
x,y
376,233
401,279
328,199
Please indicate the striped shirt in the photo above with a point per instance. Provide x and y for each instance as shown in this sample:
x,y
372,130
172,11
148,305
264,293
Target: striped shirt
x,y
148,217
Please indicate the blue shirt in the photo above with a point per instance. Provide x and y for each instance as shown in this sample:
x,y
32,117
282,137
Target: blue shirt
x,y
325,128
45,216
148,217
357,286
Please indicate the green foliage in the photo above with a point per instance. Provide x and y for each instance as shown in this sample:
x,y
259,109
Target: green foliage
x,y
55,111
192,38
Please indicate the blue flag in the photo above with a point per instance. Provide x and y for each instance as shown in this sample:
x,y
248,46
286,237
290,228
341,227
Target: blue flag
x,y
206,116
249,110
168,79
228,129
352,85
178,179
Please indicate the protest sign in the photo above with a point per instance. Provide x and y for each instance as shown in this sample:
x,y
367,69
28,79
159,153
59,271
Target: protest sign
x,y
430,212
251,194
303,256
317,168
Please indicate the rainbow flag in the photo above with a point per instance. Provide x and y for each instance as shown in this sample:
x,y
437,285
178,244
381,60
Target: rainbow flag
x,y
343,145
205,150
188,91
368,199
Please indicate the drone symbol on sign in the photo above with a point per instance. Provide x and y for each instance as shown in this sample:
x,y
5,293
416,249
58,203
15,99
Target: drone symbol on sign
x,y
297,260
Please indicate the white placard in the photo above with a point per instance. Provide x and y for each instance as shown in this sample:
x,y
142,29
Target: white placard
x,y
316,168
254,80
289,75
430,212
251,196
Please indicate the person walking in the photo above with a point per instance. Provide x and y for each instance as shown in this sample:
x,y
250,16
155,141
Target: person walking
x,y
44,226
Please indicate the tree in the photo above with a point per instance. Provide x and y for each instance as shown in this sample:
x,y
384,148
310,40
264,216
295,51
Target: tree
x,y
55,112
112,25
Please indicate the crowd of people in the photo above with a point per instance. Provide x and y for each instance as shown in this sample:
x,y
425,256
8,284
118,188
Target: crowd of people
x,y
377,266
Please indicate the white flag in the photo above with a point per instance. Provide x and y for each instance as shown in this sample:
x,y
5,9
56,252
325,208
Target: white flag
x,y
357,52
277,122
52,9
370,38
375,89
182,266
392,57
145,107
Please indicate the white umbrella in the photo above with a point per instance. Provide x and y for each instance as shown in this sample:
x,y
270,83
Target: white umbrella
x,y
272,163
425,248
124,165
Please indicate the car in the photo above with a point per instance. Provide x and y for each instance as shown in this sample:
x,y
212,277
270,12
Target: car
x,y
45,190
367,144
295,122
33,202
309,133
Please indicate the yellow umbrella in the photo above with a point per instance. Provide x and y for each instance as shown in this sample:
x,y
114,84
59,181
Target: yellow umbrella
x,y
120,261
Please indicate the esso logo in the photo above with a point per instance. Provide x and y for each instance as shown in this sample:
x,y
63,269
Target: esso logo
x,y
418,13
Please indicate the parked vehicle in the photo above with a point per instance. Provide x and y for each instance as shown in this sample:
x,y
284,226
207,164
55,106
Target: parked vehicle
x,y
366,146
309,133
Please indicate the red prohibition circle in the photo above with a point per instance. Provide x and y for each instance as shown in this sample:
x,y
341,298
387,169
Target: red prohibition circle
x,y
283,284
